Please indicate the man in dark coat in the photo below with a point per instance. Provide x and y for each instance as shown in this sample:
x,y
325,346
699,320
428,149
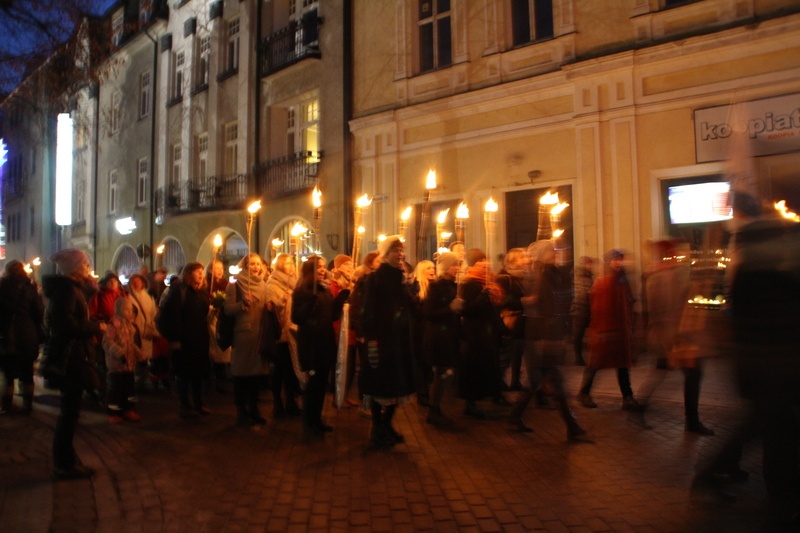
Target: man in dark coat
x,y
68,351
387,376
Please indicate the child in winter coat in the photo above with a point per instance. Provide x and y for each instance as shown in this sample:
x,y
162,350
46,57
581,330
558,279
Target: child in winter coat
x,y
122,345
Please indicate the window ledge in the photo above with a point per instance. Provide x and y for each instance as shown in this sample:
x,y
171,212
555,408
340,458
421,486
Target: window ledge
x,y
174,100
222,76
199,88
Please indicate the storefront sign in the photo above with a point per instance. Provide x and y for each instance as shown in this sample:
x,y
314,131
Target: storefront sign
x,y
770,126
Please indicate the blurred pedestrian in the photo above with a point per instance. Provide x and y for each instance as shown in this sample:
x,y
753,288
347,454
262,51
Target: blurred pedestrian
x,y
280,285
246,300
183,321
479,371
441,339
342,278
611,332
217,282
145,310
424,275
671,334
544,341
387,371
580,309
122,345
314,310
21,333
512,280
68,351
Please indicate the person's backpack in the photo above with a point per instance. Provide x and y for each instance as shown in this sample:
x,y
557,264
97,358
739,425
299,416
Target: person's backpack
x,y
225,325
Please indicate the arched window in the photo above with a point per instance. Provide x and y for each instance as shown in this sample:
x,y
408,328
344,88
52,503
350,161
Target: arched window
x,y
172,258
127,262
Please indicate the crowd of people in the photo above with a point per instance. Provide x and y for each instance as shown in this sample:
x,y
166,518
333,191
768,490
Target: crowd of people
x,y
378,334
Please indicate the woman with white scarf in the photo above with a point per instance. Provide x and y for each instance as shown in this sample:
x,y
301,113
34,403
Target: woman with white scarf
x,y
246,299
145,309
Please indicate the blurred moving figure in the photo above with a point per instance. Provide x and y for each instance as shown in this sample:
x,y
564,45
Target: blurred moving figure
x,y
611,332
580,310
670,335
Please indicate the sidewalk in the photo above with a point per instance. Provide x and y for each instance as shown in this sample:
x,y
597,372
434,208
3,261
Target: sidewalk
x,y
167,474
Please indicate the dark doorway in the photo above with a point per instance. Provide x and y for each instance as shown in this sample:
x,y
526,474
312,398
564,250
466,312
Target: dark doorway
x,y
522,217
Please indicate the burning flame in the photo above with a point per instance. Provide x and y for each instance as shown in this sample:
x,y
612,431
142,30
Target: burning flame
x,y
559,208
364,201
160,249
361,230
406,214
549,198
558,233
442,218
277,242
381,237
298,229
430,182
217,240
784,211
36,261
491,206
316,197
446,235
254,207
462,211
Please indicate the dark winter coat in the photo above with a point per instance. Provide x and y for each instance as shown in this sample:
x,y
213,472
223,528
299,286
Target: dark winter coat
x,y
479,372
442,327
183,322
21,318
611,323
544,328
314,313
68,327
386,317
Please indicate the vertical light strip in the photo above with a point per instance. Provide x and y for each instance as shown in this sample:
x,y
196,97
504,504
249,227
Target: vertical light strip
x,y
64,170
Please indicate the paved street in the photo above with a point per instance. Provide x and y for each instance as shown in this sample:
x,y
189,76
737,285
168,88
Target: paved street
x,y
167,474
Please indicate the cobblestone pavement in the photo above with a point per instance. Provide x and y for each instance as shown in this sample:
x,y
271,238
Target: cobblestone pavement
x,y
167,474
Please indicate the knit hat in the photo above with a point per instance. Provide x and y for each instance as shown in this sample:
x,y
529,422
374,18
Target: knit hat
x,y
108,276
68,260
388,243
341,259
446,260
474,255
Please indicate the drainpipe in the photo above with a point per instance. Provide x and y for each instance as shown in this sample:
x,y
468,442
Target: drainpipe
x,y
257,103
347,114
153,148
95,171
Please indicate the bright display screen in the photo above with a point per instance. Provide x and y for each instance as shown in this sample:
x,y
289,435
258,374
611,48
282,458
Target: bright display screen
x,y
700,202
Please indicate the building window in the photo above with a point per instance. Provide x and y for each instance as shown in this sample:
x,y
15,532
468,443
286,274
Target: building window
x,y
175,178
144,94
435,36
80,201
112,192
231,148
116,28
202,157
232,57
203,65
141,182
302,128
116,111
177,77
531,20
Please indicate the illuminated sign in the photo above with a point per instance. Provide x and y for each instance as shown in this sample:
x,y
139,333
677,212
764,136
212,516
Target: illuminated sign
x,y
64,170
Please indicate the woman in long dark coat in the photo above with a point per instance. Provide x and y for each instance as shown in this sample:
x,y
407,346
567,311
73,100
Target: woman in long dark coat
x,y
314,310
183,321
387,375
21,316
479,376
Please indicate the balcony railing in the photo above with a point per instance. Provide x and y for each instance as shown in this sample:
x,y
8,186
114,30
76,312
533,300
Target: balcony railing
x,y
287,176
212,194
289,45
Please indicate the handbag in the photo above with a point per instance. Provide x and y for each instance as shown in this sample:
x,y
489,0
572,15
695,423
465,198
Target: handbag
x,y
225,325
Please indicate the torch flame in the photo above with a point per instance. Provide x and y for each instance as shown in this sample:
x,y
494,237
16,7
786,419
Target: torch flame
x,y
254,207
298,229
361,230
446,235
491,206
559,208
558,233
549,198
784,211
442,216
36,261
462,211
406,214
381,237
316,197
217,240
364,201
277,242
28,269
430,182
160,249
